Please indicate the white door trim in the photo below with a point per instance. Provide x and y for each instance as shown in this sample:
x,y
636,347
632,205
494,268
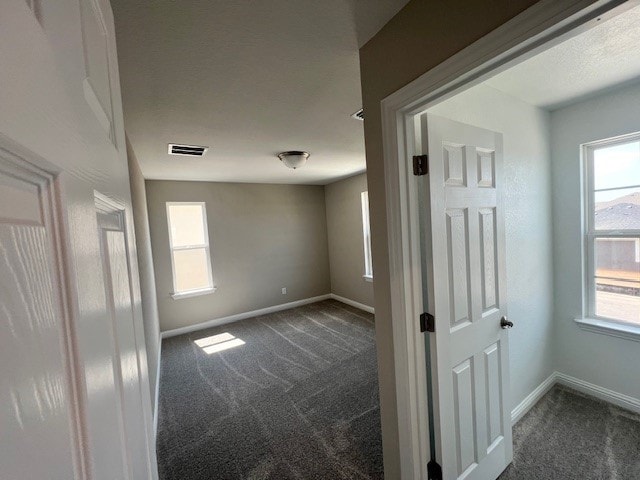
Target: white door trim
x,y
546,23
117,220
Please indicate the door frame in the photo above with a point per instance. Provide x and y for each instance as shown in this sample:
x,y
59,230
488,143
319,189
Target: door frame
x,y
545,24
105,205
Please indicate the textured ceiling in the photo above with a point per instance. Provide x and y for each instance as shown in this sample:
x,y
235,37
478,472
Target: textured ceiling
x,y
604,56
249,79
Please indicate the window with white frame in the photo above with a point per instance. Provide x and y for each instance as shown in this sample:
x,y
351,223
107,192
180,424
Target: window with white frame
x,y
366,231
612,208
189,243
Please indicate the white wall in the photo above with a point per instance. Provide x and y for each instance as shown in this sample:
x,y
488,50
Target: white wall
x,y
527,196
596,358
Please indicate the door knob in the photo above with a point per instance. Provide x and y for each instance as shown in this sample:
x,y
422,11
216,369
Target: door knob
x,y
504,323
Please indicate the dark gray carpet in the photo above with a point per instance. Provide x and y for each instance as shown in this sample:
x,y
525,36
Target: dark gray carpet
x,y
298,400
567,435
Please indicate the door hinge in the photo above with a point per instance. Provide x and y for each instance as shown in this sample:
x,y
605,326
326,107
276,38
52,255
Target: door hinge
x,y
420,164
434,470
427,322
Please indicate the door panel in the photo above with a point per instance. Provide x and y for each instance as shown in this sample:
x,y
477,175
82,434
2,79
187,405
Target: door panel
x,y
463,395
492,387
36,400
469,350
488,263
458,255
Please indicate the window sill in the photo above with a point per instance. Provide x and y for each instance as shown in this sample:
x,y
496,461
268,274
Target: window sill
x,y
193,293
368,278
613,329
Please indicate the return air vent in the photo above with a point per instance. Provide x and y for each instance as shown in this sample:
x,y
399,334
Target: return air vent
x,y
189,150
359,115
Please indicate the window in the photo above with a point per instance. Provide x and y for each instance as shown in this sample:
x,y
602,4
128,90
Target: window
x,y
366,231
189,242
613,229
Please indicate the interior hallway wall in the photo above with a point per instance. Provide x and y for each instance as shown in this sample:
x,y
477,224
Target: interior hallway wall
x,y
262,238
145,267
603,360
528,226
346,240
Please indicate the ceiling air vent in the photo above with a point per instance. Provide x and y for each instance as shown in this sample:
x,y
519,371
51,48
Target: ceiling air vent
x,y
189,150
359,115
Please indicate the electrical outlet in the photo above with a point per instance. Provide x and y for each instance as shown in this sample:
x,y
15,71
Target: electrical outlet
x,y
284,290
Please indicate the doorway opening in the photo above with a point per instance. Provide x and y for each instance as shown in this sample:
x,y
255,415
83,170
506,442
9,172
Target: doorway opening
x,y
522,226
282,381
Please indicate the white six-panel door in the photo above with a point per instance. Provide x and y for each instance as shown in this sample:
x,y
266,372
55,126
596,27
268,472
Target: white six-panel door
x,y
469,349
74,393
39,422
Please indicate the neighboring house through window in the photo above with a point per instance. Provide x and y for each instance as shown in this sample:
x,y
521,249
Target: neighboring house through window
x,y
189,243
612,222
366,231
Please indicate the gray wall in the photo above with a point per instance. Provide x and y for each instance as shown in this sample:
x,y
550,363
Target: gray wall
x,y
262,238
603,360
345,239
528,231
145,267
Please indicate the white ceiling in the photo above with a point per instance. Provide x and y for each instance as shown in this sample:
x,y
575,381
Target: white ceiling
x,y
249,79
605,56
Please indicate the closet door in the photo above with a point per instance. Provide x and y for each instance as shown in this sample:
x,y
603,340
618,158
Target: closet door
x,y
470,342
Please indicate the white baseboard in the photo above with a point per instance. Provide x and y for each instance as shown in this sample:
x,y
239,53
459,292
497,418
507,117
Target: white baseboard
x,y
615,398
530,400
156,400
353,303
241,316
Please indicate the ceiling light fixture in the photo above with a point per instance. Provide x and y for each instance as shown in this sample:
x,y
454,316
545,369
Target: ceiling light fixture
x,y
293,159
